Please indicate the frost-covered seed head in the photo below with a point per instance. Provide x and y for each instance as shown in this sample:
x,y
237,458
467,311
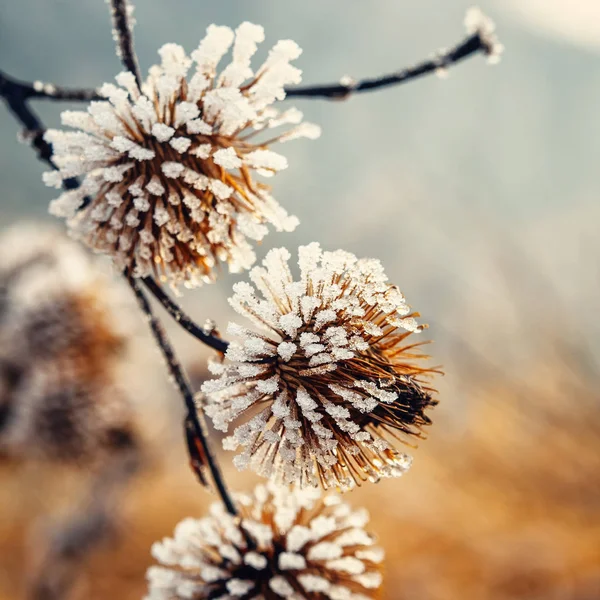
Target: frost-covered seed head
x,y
329,381
476,21
286,544
60,343
169,168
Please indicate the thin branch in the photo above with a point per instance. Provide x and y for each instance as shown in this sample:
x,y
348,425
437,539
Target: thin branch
x,y
46,91
121,12
477,42
480,41
200,452
205,336
15,95
335,91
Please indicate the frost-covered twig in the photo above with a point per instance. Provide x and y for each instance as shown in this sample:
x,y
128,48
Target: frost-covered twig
x,y
15,95
47,91
481,39
204,335
200,452
121,13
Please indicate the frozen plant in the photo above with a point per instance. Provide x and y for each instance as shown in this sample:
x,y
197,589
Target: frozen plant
x,y
168,186
329,375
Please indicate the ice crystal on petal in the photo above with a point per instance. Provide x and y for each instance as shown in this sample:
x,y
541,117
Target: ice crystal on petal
x,y
305,130
189,142
286,541
337,377
286,350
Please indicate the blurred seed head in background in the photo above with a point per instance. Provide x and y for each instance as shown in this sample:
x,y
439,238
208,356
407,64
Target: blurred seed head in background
x,y
63,337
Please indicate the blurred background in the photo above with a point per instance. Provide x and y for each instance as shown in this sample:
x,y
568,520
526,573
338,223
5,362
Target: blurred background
x,y
478,192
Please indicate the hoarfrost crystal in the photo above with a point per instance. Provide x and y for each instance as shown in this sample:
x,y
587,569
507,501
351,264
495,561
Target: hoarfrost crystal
x,y
286,544
329,381
168,169
476,21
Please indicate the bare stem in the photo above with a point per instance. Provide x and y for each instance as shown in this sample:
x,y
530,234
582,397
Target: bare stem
x,y
123,34
206,337
340,91
199,449
47,91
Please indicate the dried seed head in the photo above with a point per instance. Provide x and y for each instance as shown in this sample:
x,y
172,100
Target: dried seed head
x,y
60,341
330,381
168,168
288,544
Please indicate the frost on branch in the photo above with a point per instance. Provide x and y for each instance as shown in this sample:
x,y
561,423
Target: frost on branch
x,y
476,21
60,343
329,379
289,544
170,168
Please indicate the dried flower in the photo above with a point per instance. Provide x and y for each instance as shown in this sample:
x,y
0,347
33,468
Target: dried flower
x,y
59,347
476,21
168,168
330,381
286,544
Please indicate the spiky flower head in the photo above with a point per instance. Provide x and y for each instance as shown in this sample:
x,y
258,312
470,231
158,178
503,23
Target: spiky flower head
x,y
331,377
285,544
62,335
168,169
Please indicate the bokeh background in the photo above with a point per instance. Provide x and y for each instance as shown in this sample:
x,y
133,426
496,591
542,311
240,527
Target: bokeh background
x,y
478,192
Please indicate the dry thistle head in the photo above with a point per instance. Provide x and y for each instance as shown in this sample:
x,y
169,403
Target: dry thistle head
x,y
332,378
286,544
61,335
168,168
